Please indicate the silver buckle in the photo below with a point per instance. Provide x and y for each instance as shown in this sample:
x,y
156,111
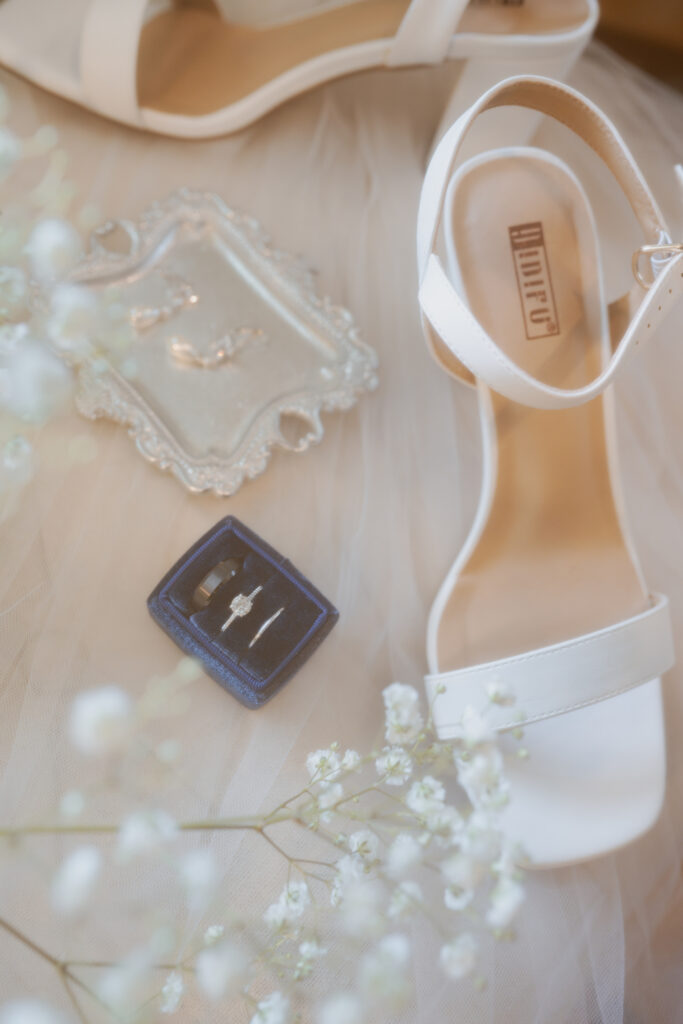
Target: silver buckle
x,y
671,248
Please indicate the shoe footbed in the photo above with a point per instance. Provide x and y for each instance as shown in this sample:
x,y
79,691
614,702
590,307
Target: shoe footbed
x,y
551,562
192,62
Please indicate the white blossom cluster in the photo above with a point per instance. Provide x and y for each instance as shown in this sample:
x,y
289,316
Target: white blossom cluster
x,y
47,321
414,833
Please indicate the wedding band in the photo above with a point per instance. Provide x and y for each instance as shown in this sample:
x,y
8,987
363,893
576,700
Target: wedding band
x,y
240,606
212,581
264,627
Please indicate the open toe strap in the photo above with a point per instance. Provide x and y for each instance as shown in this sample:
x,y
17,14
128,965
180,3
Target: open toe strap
x,y
551,681
456,337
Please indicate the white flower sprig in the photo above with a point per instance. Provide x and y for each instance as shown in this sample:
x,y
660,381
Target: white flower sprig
x,y
414,832
48,323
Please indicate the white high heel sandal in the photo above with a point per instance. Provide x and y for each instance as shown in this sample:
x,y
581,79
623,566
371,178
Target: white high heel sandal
x,y
181,69
546,602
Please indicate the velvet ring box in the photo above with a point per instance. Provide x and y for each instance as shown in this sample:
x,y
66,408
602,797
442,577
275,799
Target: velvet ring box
x,y
242,610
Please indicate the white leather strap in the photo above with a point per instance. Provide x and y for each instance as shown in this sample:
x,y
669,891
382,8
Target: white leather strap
x,y
109,56
426,31
447,320
555,680
462,333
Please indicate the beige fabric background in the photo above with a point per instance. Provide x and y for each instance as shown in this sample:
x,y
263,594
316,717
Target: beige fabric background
x,y
374,515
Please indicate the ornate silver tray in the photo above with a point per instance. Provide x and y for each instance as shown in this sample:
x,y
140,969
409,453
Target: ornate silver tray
x,y
233,351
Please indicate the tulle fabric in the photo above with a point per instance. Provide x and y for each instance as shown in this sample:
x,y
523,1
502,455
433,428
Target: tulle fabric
x,y
374,516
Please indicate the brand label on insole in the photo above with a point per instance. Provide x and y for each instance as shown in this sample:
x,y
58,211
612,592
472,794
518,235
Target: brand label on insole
x,y
533,280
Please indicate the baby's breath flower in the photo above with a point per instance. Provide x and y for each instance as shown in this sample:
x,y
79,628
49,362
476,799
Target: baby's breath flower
x,y
350,761
506,899
168,751
361,908
275,916
481,838
403,854
405,898
10,150
172,993
54,248
72,804
425,795
365,844
311,950
13,291
34,384
119,987
29,1011
221,970
498,692
403,721
72,324
383,971
144,833
508,858
296,897
481,776
293,901
323,765
75,880
12,338
349,868
101,720
198,875
330,794
474,729
459,957
462,872
456,898
213,933
342,1008
445,824
16,463
394,766
274,1009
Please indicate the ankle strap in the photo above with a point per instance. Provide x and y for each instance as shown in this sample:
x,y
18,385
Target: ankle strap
x,y
448,322
426,31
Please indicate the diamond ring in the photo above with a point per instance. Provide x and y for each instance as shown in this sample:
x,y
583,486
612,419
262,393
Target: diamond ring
x,y
240,606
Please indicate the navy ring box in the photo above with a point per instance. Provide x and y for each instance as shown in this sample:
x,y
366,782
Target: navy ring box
x,y
253,673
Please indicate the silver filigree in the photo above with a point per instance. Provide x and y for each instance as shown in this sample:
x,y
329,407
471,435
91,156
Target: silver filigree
x,y
215,429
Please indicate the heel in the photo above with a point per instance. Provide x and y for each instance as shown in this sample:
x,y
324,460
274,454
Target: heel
x,y
475,75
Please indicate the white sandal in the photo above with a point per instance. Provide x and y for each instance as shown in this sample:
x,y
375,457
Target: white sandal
x,y
546,602
181,69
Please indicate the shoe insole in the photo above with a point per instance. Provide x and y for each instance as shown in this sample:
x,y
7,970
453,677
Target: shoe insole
x,y
551,562
192,62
